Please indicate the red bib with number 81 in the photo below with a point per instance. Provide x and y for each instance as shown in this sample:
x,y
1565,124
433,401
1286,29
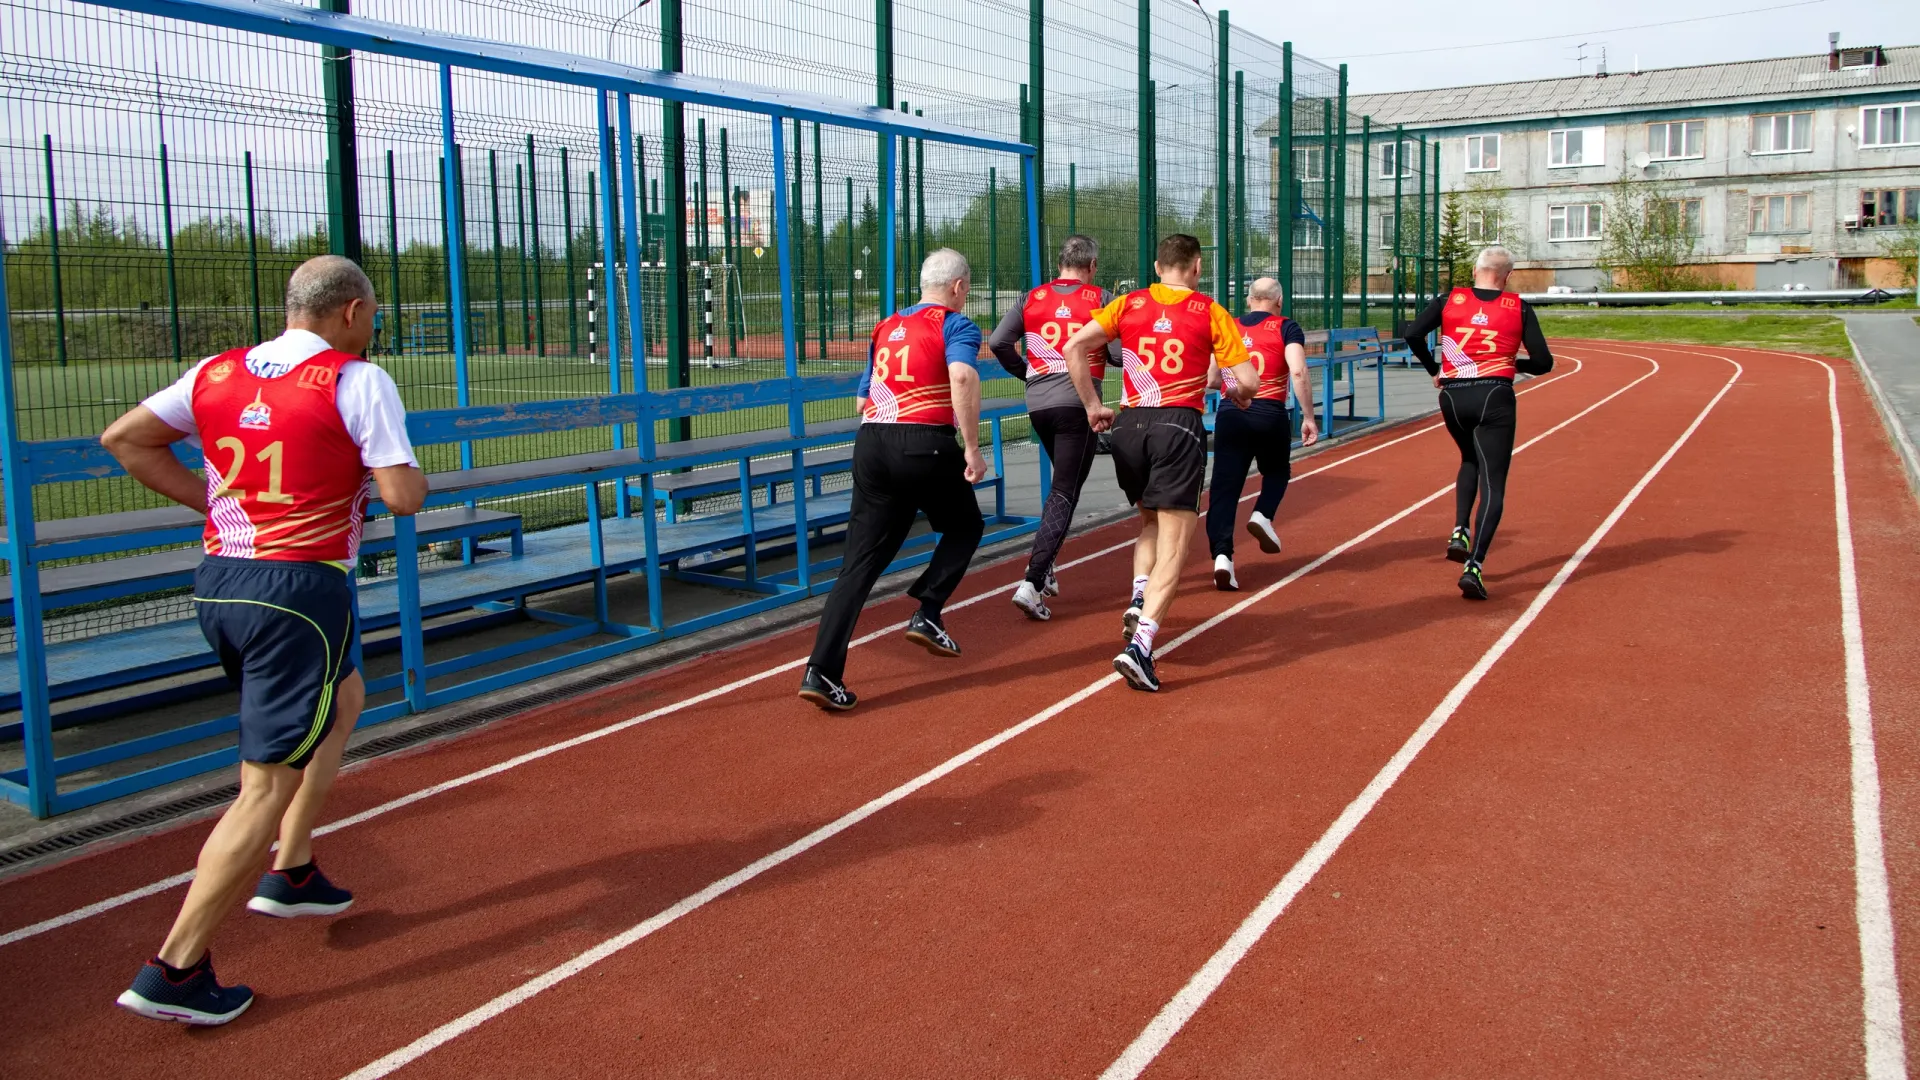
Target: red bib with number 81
x,y
1165,350
909,383
284,478
1479,338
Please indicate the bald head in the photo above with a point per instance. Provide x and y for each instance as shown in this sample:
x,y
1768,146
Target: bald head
x,y
1265,295
332,297
1491,267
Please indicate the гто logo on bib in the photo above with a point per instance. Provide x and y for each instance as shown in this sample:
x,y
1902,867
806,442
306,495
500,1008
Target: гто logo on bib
x,y
1480,318
1163,325
899,334
258,415
1063,312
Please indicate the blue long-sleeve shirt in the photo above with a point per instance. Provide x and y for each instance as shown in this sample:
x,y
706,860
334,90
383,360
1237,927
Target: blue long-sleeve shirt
x,y
963,345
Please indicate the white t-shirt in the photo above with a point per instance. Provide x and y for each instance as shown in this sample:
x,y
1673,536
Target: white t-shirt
x,y
369,403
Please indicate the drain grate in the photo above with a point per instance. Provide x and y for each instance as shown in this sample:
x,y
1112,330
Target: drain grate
x,y
101,830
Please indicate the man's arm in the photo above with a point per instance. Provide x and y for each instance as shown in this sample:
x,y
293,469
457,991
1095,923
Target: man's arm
x,y
1230,354
1539,359
1415,334
143,445
1089,337
1005,340
964,382
403,488
1302,392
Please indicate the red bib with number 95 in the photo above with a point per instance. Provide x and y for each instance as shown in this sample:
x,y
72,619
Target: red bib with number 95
x,y
1479,338
1165,350
1050,317
284,478
909,383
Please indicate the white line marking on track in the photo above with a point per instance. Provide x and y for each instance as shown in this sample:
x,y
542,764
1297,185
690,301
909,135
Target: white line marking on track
x,y
1175,1014
1886,1043
460,1025
144,891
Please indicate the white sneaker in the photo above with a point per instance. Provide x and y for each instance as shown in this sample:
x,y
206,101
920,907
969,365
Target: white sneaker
x,y
1130,619
1028,599
1052,587
1223,578
1262,530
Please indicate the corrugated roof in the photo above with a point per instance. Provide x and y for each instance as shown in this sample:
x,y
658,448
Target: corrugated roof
x,y
1706,84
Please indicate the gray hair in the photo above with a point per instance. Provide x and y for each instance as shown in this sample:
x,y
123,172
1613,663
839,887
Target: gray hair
x,y
1079,252
1265,288
942,268
1495,258
324,284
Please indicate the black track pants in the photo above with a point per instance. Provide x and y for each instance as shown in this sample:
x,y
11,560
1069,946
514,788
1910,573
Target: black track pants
x,y
899,470
1261,433
1069,443
1480,417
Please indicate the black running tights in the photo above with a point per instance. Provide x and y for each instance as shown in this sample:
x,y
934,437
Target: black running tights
x,y
1480,417
1069,443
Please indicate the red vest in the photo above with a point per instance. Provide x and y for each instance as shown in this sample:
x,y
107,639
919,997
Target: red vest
x,y
909,373
1165,350
284,479
1479,338
1050,318
1267,348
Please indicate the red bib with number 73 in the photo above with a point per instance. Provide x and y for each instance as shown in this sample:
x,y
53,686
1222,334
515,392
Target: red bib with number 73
x,y
909,383
1165,350
284,478
1479,338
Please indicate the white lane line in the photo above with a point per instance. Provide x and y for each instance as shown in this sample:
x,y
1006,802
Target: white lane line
x,y
1175,1014
144,891
460,1025
1886,1042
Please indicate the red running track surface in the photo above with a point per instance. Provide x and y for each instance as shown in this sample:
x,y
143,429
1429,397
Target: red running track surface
x,y
1629,852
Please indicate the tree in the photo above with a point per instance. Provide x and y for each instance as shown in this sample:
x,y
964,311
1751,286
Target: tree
x,y
1456,251
1647,237
1902,246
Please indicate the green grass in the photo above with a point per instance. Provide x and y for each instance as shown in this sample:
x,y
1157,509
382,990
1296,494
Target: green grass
x,y
1825,336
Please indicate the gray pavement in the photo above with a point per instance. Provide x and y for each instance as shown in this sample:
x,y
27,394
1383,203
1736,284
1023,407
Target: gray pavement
x,y
1887,345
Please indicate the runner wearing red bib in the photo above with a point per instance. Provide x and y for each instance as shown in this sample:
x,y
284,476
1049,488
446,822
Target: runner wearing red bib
x,y
1482,331
1171,338
1044,322
292,431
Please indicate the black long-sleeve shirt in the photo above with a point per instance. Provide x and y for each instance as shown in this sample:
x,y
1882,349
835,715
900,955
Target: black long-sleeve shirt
x,y
1537,360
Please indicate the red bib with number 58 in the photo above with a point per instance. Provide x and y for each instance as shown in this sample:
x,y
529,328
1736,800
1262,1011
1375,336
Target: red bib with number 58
x,y
1479,338
909,384
284,478
1165,350
1051,317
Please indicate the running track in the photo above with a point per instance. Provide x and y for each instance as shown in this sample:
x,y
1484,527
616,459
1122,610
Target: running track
x,y
1615,822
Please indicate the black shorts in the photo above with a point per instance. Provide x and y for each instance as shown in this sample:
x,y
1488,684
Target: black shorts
x,y
282,630
1160,457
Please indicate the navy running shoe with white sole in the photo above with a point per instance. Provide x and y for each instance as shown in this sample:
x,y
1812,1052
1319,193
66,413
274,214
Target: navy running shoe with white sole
x,y
829,694
198,998
1136,666
298,891
1472,585
931,636
1459,546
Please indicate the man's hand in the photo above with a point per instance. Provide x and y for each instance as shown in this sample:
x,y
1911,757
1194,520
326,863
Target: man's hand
x,y
976,465
1100,418
1309,430
1436,382
1243,384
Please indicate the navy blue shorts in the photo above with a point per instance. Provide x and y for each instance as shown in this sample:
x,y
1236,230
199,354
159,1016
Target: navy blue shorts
x,y
282,631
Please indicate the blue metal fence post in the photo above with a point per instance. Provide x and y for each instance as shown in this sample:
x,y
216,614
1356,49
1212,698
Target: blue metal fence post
x,y
789,341
609,245
456,255
30,649
630,215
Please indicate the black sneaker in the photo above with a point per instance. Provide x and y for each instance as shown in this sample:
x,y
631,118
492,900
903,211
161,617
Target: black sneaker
x,y
826,693
1471,585
297,891
931,636
1136,666
1459,546
198,998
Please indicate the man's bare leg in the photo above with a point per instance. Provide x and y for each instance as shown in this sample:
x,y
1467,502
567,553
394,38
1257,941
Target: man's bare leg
x,y
231,858
296,825
1170,556
1143,557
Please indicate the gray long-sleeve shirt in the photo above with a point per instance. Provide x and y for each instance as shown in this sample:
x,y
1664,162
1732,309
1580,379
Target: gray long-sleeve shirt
x,y
1046,391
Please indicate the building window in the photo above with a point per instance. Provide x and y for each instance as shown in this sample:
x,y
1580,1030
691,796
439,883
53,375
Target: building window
x,y
1686,215
1306,236
1677,139
1386,232
1579,221
1573,147
1783,133
1483,226
1898,206
1405,154
1779,214
1483,153
1890,125
1310,163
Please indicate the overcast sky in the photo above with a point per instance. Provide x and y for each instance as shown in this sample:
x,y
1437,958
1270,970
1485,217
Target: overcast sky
x,y
1453,38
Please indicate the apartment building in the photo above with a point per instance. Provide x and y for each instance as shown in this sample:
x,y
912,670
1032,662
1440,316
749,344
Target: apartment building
x,y
1786,172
